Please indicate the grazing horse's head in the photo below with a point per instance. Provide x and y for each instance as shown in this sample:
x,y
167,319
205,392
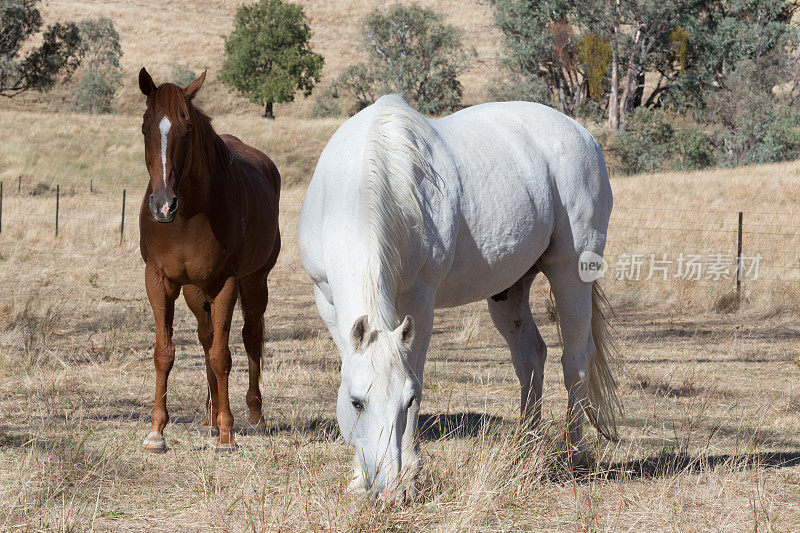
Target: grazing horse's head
x,y
166,126
377,407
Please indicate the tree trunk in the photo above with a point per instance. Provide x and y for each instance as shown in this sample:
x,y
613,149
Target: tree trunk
x,y
613,98
636,101
268,111
631,85
626,96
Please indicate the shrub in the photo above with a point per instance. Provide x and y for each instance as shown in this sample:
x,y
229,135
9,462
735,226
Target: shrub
x,y
694,149
182,75
594,53
520,88
652,144
646,144
94,92
360,83
102,76
753,126
327,104
410,51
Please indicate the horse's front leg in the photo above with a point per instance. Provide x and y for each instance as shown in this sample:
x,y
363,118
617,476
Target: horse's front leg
x,y
162,294
201,309
220,359
419,303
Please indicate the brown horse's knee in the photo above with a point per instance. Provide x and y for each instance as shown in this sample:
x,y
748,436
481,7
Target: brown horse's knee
x,y
220,360
164,358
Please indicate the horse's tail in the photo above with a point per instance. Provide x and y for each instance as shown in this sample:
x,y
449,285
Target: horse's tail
x,y
604,403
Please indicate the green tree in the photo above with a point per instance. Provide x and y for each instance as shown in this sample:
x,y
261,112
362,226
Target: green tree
x,y
102,75
755,34
267,56
25,66
409,50
540,40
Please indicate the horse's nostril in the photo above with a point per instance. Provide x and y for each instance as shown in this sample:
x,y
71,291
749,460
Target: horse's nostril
x,y
174,204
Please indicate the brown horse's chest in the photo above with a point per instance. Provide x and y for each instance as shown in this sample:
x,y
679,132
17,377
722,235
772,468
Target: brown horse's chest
x,y
189,255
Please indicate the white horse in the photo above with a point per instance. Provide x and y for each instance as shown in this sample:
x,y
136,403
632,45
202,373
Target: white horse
x,y
405,214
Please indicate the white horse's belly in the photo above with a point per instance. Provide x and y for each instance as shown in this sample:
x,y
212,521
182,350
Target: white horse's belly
x,y
469,282
489,258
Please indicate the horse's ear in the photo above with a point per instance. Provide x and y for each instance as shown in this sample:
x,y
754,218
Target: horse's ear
x,y
146,84
405,332
191,90
358,334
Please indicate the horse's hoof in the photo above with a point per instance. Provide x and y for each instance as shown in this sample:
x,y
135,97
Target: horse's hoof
x,y
356,486
208,431
154,443
259,428
226,448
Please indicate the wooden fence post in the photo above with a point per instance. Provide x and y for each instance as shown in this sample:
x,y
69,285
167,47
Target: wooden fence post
x,y
58,194
122,221
739,261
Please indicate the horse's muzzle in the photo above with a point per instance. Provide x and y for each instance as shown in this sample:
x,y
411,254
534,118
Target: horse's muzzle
x,y
163,205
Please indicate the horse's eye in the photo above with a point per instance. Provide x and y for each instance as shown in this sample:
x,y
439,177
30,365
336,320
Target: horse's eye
x,y
411,402
357,405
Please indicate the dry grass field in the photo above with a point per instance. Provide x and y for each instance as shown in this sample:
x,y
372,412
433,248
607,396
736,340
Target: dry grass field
x,y
710,439
711,435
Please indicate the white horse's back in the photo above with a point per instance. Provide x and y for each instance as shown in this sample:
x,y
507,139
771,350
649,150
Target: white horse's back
x,y
518,165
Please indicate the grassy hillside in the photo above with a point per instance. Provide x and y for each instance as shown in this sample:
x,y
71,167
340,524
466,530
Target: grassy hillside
x,y
161,34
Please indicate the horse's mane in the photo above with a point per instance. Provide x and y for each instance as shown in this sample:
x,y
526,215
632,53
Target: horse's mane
x,y
394,167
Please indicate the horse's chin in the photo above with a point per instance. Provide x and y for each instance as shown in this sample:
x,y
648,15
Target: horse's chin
x,y
164,220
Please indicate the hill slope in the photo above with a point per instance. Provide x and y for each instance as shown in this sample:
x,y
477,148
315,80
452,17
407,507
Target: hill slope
x,y
162,34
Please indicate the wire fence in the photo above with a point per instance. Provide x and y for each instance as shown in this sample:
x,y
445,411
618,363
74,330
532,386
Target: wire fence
x,y
644,243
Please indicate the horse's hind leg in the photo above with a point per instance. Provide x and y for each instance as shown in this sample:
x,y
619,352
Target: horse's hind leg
x,y
201,309
254,296
574,304
511,314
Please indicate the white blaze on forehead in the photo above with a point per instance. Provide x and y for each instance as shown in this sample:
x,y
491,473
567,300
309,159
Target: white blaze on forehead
x,y
164,127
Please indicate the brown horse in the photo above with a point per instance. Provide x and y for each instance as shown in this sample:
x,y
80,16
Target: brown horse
x,y
209,224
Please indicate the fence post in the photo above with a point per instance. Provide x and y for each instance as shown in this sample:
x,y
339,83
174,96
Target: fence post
x,y
91,186
739,261
58,194
1,207
122,221
19,185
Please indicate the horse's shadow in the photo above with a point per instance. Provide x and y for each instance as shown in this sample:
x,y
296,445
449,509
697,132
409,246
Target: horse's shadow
x,y
668,464
431,427
456,425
